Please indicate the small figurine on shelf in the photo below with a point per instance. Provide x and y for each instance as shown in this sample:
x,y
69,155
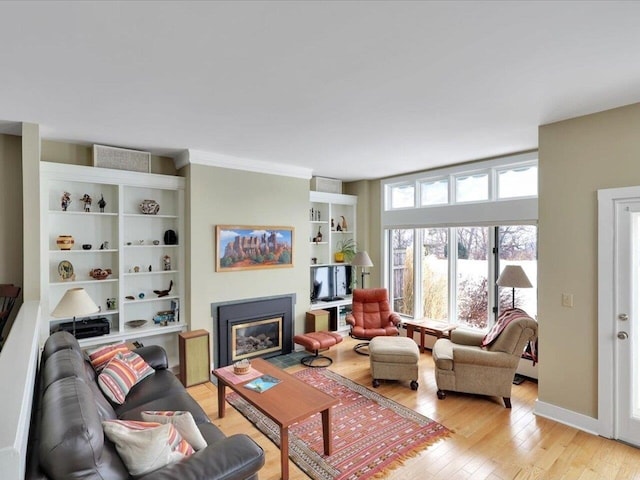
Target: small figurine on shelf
x,y
318,238
86,199
65,200
166,263
164,293
333,225
344,224
102,203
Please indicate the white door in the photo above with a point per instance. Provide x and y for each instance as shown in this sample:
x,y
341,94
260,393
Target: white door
x,y
619,314
627,322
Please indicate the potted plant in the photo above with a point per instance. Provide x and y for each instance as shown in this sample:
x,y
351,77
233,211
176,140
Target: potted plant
x,y
345,250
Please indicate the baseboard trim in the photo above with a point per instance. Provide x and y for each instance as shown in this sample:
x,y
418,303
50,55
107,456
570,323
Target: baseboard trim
x,y
566,417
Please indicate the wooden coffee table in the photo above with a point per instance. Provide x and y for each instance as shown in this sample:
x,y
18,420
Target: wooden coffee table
x,y
286,403
432,327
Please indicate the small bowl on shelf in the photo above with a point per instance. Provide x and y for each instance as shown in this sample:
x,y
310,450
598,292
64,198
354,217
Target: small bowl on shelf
x,y
242,367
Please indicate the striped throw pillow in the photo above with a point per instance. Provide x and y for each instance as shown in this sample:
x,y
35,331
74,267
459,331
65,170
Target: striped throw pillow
x,y
139,365
117,378
146,446
101,356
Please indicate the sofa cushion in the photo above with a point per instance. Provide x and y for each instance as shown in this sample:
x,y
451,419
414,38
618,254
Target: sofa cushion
x,y
182,420
101,356
146,446
177,400
62,364
161,384
59,341
72,439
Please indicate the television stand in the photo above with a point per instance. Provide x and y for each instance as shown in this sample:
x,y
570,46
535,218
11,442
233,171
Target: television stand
x,y
331,299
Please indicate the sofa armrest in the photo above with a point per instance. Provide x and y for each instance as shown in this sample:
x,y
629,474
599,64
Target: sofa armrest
x,y
236,457
467,337
155,356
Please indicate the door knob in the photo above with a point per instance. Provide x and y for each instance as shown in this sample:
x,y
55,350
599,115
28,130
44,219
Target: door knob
x,y
623,317
623,335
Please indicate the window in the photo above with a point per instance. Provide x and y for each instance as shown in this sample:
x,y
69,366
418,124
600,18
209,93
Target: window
x,y
451,231
402,196
454,277
472,279
472,188
435,273
402,272
517,245
434,193
518,182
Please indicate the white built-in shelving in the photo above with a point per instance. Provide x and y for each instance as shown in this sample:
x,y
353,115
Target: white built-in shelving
x,y
122,239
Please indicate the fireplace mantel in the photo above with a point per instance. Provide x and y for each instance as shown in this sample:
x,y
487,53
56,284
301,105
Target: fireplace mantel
x,y
227,314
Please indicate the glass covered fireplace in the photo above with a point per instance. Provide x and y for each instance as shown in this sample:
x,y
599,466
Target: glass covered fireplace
x,y
256,338
256,327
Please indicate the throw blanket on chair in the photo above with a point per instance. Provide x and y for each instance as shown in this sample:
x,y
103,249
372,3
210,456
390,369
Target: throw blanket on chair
x,y
504,319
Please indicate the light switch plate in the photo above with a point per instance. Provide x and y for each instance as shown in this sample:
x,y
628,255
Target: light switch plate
x,y
567,300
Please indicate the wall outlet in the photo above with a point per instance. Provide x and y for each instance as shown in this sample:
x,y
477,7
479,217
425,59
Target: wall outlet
x,y
567,300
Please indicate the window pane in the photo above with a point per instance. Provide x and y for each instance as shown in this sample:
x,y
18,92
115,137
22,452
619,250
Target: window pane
x,y
472,188
517,245
435,274
402,271
434,193
471,283
402,196
518,182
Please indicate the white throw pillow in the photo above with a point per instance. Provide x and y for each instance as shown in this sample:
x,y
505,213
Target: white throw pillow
x,y
146,446
184,423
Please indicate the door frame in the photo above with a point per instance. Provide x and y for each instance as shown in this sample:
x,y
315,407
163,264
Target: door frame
x,y
608,200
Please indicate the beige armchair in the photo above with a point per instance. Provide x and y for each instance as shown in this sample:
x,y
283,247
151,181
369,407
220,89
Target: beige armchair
x,y
463,365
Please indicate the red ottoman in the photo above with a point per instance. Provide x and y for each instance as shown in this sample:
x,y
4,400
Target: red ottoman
x,y
314,342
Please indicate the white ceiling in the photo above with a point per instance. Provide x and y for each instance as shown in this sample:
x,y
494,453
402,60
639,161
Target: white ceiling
x,y
351,89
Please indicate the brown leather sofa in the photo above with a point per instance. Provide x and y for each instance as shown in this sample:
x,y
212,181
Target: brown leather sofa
x,y
67,439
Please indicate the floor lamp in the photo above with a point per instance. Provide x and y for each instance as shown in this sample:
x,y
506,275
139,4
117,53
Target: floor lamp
x,y
76,302
362,260
513,276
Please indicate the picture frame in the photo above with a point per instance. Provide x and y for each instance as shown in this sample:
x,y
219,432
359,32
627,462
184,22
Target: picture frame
x,y
251,247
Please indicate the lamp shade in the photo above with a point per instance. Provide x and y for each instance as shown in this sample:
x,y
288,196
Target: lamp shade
x,y
513,276
76,302
361,259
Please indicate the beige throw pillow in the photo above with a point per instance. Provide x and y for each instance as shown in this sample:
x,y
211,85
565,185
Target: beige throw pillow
x,y
146,446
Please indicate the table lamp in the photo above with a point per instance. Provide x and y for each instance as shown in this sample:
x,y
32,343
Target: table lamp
x,y
513,276
76,302
362,260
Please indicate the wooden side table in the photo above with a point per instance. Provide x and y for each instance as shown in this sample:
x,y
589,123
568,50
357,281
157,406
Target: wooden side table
x,y
432,327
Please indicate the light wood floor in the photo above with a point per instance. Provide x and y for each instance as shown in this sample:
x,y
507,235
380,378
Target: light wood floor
x,y
487,440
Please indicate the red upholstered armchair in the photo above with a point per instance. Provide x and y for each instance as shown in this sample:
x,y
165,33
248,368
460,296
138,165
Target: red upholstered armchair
x,y
371,316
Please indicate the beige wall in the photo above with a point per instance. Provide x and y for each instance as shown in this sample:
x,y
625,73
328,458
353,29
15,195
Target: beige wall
x,y
11,264
368,226
576,158
220,196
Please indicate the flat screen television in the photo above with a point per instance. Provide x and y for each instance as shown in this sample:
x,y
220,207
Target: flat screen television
x,y
329,282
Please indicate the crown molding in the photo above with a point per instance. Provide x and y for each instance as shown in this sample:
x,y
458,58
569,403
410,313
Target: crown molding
x,y
200,157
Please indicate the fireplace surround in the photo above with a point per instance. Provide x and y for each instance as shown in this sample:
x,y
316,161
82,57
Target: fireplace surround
x,y
253,327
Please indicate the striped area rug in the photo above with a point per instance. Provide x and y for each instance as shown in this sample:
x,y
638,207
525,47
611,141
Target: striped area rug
x,y
371,433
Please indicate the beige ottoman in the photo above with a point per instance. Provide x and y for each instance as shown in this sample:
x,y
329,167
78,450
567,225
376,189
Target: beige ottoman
x,y
394,358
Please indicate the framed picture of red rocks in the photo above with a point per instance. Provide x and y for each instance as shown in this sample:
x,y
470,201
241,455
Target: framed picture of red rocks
x,y
251,247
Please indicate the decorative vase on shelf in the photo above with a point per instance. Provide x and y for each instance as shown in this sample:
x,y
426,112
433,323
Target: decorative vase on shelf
x,y
149,207
65,242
